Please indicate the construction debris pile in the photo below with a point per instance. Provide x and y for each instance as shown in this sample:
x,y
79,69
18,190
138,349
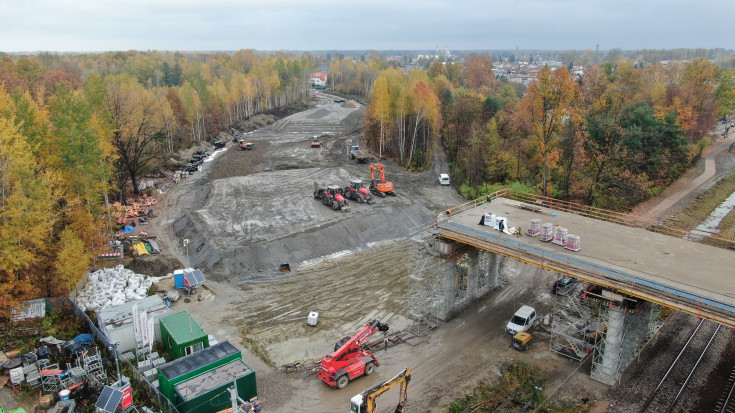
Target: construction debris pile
x,y
112,286
133,209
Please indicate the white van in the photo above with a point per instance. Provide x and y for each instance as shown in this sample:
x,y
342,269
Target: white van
x,y
522,320
444,179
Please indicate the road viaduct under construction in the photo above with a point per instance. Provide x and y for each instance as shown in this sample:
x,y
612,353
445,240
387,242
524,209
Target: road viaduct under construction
x,y
630,267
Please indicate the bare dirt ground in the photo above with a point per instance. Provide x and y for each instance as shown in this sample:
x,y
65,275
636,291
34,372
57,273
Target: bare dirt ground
x,y
247,212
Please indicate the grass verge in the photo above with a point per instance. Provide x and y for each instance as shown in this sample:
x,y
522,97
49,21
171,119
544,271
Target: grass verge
x,y
519,387
694,214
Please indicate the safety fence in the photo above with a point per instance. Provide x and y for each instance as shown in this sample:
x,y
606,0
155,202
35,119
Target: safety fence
x,y
138,378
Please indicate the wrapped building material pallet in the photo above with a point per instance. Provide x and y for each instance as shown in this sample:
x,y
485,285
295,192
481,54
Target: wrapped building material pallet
x,y
560,236
547,232
535,227
573,242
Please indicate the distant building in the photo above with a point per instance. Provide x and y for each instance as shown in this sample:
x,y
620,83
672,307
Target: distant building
x,y
318,79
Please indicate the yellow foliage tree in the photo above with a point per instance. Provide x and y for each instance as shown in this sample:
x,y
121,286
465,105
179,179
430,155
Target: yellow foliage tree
x,y
379,109
26,215
550,101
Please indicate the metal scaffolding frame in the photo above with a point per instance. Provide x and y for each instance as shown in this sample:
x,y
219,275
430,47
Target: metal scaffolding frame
x,y
441,284
639,324
425,296
570,322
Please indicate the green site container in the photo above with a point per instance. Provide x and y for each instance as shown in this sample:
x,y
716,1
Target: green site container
x,y
209,391
174,372
181,335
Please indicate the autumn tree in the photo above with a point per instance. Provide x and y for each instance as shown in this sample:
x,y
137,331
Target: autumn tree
x,y
463,124
80,148
478,72
380,108
26,211
436,69
725,92
454,73
698,93
425,116
549,102
137,119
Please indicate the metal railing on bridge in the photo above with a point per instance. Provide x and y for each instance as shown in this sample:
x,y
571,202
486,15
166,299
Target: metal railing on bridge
x,y
631,220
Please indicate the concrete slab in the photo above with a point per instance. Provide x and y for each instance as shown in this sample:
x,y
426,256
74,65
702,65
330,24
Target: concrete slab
x,y
680,265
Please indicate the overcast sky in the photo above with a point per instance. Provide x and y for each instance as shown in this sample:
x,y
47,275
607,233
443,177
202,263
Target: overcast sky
x,y
102,25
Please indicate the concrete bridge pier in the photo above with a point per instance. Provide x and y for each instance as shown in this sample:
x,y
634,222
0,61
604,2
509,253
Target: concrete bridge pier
x,y
473,274
450,288
627,330
608,370
493,269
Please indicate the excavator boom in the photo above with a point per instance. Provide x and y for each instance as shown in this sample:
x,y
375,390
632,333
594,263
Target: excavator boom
x,y
365,401
382,187
349,360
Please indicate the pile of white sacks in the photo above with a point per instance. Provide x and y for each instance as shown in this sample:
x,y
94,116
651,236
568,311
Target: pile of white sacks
x,y
112,286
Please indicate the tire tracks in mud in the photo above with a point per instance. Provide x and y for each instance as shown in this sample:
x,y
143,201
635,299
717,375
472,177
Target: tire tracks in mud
x,y
346,292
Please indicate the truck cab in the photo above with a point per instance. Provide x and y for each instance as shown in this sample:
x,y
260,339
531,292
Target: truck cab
x,y
522,320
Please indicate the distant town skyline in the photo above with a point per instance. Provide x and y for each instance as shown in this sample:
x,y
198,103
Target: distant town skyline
x,y
196,25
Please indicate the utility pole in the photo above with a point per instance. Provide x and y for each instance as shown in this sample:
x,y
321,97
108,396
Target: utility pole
x,y
186,244
113,348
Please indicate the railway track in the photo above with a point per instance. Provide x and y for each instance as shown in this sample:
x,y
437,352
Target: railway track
x,y
670,389
726,404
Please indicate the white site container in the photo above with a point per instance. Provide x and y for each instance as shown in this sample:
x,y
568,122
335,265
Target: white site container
x,y
313,318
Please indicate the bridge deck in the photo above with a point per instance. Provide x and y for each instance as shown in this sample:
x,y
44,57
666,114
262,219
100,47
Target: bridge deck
x,y
676,273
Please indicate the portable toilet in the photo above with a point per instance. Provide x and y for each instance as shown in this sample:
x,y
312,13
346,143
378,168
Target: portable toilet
x,y
188,277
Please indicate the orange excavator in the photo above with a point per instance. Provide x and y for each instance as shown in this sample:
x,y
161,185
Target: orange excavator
x,y
381,188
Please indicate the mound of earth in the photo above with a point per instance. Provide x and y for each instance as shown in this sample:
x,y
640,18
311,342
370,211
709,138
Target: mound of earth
x,y
254,210
154,265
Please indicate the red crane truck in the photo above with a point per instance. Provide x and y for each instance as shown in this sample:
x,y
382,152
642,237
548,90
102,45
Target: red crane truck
x,y
349,360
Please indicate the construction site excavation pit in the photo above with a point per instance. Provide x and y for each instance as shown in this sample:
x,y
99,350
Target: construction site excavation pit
x,y
247,213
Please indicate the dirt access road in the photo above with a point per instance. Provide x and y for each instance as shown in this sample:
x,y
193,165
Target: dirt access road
x,y
247,212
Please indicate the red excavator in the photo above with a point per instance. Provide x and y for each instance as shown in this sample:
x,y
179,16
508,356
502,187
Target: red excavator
x,y
357,191
380,188
349,360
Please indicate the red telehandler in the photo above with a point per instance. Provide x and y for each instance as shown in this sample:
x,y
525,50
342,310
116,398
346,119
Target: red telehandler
x,y
349,359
